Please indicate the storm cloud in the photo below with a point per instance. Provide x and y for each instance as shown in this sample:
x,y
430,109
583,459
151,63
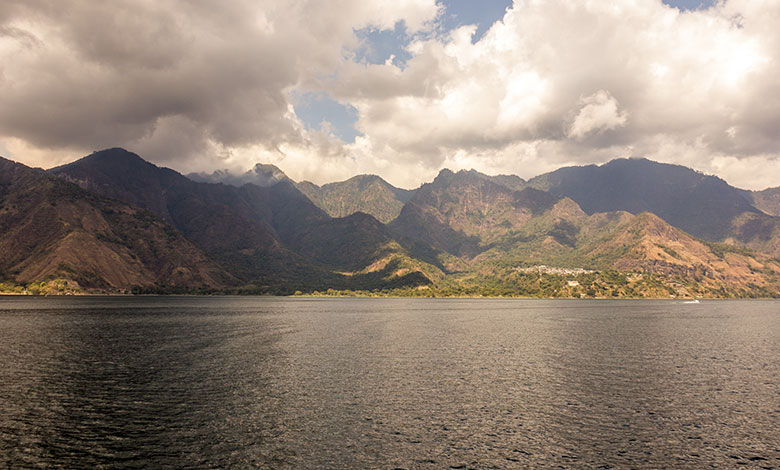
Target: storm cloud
x,y
201,85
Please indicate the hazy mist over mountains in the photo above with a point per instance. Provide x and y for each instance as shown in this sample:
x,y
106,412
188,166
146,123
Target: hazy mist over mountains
x,y
113,222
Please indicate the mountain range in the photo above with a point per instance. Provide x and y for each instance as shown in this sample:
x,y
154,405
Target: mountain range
x,y
113,222
363,193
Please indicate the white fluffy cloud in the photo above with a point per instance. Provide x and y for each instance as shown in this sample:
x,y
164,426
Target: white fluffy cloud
x,y
202,85
599,113
581,82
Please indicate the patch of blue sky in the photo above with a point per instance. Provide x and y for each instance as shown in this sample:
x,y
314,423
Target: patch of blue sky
x,y
689,5
482,13
318,110
378,46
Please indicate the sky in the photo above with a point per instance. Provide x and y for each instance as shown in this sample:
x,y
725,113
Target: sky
x,y
329,89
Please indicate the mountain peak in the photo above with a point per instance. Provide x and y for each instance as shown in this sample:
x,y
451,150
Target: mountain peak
x,y
697,203
512,182
112,160
115,154
445,174
361,193
360,180
472,173
262,174
10,170
266,173
567,208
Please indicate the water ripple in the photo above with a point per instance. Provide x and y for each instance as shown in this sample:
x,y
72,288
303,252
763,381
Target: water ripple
x,y
388,383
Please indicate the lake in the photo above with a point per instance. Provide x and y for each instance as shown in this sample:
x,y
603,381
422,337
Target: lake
x,y
252,382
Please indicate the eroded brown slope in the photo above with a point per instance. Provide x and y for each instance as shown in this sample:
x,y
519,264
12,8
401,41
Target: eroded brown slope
x,y
53,229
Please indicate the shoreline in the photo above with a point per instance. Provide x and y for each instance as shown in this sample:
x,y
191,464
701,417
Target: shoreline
x,y
379,296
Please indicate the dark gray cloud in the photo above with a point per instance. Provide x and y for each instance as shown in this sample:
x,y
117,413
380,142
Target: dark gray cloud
x,y
113,73
178,79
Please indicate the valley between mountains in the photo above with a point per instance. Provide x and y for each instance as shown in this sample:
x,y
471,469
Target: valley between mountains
x,y
112,222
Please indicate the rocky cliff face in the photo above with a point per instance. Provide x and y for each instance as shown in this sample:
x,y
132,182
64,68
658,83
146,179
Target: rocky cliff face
x,y
51,229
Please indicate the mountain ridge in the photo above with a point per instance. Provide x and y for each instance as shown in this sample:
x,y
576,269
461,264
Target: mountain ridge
x,y
767,200
608,230
52,229
487,225
366,193
250,229
703,205
369,194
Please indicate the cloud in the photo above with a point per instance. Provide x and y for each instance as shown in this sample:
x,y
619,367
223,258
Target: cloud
x,y
582,82
599,113
206,84
176,79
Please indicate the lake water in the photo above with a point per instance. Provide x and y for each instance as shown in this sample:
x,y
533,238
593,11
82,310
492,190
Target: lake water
x,y
243,382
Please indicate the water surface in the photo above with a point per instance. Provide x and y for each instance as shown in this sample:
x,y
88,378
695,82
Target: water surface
x,y
240,382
